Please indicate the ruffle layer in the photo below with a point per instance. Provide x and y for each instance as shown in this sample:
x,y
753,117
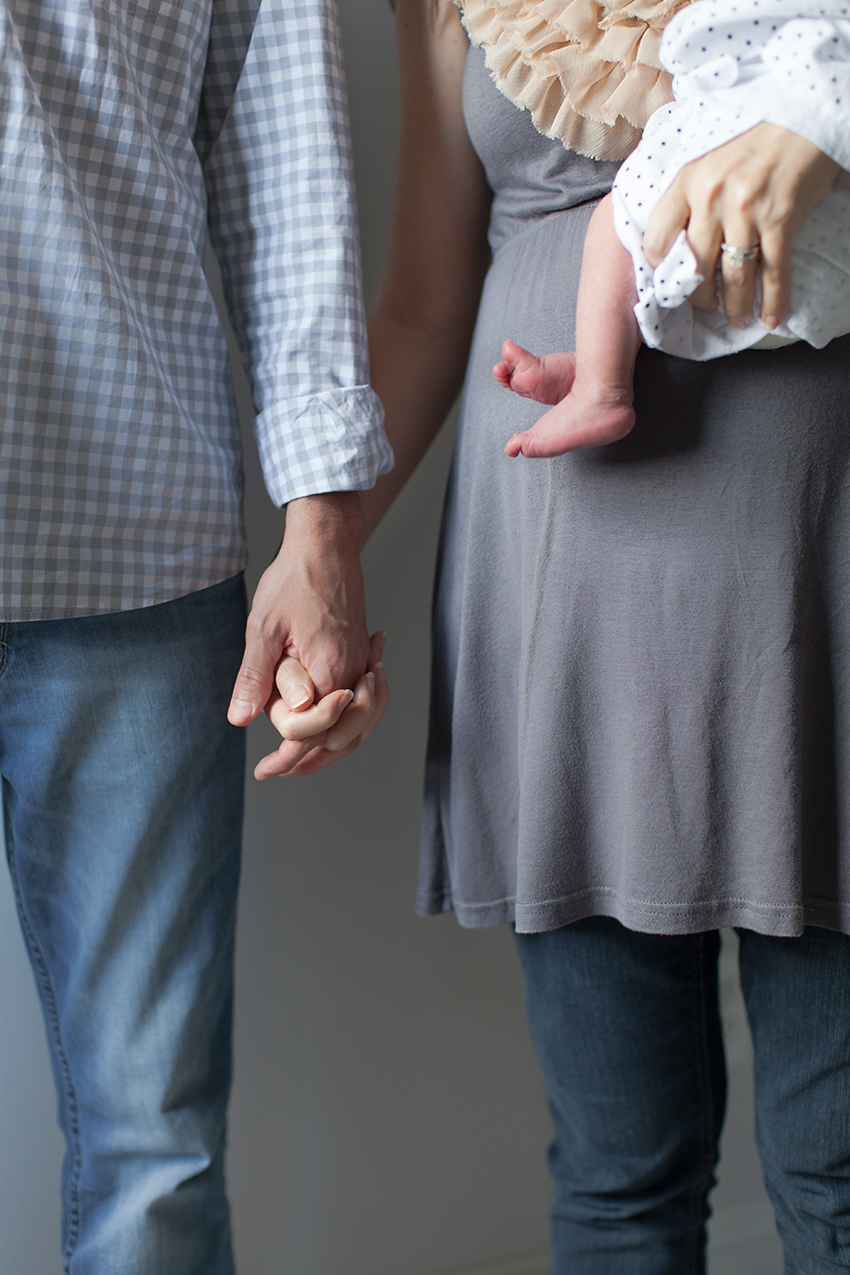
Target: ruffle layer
x,y
587,70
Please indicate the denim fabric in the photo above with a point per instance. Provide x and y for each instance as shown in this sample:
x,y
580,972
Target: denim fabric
x,y
627,1029
122,792
798,1004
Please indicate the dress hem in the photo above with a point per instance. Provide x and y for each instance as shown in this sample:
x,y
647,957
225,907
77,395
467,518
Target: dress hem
x,y
780,920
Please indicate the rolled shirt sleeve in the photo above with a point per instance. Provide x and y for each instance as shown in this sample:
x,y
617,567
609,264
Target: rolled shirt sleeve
x,y
273,137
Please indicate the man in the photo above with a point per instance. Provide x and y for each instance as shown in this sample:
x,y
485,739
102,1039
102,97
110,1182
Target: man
x,y
128,129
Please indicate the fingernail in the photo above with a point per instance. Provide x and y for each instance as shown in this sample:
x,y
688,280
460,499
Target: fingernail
x,y
379,667
240,711
350,695
370,678
297,696
738,322
771,321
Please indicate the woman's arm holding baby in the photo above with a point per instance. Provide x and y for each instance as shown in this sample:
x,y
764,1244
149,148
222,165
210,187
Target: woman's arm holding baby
x,y
421,326
755,191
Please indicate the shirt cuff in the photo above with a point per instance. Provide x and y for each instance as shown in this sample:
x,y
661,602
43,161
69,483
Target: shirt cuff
x,y
331,441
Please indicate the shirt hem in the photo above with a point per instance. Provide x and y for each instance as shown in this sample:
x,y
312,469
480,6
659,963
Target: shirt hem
x,y
149,598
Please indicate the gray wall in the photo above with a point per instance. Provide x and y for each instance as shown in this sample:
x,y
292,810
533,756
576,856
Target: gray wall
x,y
387,1116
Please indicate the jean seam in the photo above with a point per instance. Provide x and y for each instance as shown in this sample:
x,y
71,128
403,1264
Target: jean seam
x,y
4,645
706,1102
49,998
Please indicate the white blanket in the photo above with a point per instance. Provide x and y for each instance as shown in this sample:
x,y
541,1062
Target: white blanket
x,y
736,63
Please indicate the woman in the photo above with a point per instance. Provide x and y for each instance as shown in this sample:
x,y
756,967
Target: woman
x,y
640,694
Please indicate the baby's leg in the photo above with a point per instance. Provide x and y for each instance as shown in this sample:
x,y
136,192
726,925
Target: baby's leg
x,y
595,404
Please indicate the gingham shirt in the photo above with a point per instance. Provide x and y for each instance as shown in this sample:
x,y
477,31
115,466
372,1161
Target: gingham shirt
x,y
126,129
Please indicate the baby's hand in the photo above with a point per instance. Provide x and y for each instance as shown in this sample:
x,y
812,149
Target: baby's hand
x,y
546,380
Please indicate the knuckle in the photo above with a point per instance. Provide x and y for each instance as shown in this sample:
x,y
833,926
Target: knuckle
x,y
735,277
781,211
258,626
652,241
741,189
251,678
263,630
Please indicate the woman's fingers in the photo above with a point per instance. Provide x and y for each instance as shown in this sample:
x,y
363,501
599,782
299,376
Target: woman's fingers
x,y
309,722
303,732
705,237
355,718
285,759
316,736
669,216
382,698
367,707
775,262
294,683
737,272
319,759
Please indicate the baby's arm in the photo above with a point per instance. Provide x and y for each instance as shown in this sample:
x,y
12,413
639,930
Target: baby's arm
x,y
592,389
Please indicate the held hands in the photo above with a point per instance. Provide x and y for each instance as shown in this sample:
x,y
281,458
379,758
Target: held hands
x,y
753,192
316,734
308,659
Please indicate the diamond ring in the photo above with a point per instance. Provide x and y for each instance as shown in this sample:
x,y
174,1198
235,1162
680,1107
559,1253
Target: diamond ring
x,y
739,255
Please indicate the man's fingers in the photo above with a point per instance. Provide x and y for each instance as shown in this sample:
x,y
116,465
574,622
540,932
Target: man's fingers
x,y
255,678
670,215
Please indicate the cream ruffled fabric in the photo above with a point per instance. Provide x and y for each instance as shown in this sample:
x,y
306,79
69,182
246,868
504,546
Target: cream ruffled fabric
x,y
588,70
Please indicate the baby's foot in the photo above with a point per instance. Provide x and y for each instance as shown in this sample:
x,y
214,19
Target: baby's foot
x,y
583,419
546,380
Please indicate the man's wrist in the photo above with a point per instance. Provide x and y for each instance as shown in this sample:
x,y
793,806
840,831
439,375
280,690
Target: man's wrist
x,y
329,518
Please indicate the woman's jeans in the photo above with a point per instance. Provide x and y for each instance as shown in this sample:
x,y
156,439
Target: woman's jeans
x,y
122,792
627,1030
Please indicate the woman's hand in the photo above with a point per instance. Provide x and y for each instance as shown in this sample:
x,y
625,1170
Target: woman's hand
x,y
316,733
755,191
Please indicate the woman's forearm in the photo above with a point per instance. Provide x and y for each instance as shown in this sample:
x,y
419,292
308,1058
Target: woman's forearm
x,y
417,373
421,326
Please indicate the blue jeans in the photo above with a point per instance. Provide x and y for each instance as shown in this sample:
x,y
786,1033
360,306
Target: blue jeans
x,y
122,794
627,1030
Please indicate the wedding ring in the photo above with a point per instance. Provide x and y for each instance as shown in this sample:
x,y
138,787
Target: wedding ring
x,y
738,255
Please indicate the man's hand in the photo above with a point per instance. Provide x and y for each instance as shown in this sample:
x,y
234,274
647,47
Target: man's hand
x,y
307,647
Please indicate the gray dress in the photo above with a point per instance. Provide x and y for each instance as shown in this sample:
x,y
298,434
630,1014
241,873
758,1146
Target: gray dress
x,y
641,686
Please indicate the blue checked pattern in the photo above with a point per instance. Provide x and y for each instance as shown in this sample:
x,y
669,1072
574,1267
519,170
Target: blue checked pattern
x,y
126,128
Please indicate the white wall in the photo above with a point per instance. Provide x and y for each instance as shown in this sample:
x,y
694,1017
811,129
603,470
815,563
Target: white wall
x,y
387,1117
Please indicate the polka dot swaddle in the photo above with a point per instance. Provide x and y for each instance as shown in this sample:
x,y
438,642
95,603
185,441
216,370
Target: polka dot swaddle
x,y
736,63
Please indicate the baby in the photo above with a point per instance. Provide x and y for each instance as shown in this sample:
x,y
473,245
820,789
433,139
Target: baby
x,y
736,63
